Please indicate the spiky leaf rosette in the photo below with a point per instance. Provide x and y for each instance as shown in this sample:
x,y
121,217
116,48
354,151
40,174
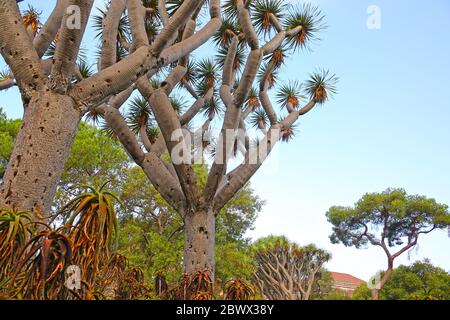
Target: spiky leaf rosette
x,y
152,28
85,69
16,229
278,56
311,19
123,31
31,19
128,281
173,6
212,108
252,100
273,76
262,10
239,60
151,7
207,73
197,286
259,119
39,273
94,117
288,133
229,8
289,95
178,104
238,289
229,28
106,130
153,134
92,228
190,76
138,114
321,85
4,75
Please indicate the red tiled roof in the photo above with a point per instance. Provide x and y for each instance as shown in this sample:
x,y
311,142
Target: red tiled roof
x,y
341,278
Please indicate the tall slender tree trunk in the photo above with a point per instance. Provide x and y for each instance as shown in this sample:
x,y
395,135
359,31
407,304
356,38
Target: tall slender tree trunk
x,y
199,242
383,281
49,126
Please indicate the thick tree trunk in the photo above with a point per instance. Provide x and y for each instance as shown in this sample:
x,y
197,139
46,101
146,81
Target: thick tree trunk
x,y
49,126
199,242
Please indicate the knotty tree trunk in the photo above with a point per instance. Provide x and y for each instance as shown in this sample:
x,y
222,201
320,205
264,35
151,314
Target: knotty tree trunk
x,y
49,126
384,280
199,228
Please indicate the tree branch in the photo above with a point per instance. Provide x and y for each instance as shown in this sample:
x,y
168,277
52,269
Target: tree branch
x,y
18,51
49,30
68,45
109,33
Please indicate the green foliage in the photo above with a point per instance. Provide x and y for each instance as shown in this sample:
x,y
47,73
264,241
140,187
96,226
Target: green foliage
x,y
321,86
94,159
262,10
8,132
401,217
419,281
311,19
289,95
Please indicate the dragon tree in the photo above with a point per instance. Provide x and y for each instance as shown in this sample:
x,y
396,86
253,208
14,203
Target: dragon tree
x,y
146,59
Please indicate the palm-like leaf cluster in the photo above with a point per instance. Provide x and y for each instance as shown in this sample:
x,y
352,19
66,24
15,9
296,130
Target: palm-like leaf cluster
x,y
31,19
321,85
289,95
138,114
92,229
16,229
42,262
238,289
311,21
259,119
197,286
262,10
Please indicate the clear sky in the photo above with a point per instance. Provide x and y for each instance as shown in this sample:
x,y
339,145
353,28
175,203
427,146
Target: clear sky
x,y
387,127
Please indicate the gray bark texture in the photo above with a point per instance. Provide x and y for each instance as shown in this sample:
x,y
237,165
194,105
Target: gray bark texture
x,y
42,146
199,241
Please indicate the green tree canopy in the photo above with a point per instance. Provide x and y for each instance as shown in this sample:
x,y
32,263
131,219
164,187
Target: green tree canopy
x,y
419,281
94,159
8,132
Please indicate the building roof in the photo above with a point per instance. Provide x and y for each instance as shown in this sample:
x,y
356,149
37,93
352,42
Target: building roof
x,y
346,280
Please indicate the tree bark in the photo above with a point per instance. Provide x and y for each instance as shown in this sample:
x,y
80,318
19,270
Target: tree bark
x,y
384,280
199,242
49,126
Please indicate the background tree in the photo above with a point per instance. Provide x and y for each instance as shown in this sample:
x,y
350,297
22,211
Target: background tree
x,y
391,219
94,159
151,232
419,281
8,133
285,271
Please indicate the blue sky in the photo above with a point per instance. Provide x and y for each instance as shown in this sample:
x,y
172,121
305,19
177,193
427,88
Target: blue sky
x,y
387,127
